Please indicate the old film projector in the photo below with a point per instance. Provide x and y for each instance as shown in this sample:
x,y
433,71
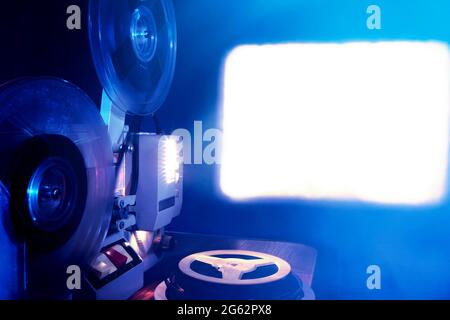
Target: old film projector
x,y
83,187
86,189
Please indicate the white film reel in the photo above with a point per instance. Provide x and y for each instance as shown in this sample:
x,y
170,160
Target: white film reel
x,y
233,269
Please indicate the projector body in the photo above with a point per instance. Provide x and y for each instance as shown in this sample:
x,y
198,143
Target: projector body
x,y
148,195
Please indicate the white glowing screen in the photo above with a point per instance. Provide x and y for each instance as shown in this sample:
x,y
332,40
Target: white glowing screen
x,y
354,121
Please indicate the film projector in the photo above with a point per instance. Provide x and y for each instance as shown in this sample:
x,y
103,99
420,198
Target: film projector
x,y
89,190
76,192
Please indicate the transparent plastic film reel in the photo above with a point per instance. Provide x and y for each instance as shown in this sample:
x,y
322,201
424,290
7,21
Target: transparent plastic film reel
x,y
58,169
134,46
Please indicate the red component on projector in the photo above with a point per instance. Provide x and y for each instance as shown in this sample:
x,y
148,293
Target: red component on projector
x,y
118,259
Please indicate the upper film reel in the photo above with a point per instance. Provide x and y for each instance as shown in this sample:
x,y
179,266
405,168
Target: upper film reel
x,y
133,44
58,169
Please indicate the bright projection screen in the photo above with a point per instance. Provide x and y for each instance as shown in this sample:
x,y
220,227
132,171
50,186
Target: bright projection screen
x,y
353,121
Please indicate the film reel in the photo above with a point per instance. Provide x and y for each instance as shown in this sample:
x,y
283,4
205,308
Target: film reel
x,y
57,166
133,44
233,267
231,274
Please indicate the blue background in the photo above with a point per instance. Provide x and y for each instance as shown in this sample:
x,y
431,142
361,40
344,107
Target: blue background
x,y
411,245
